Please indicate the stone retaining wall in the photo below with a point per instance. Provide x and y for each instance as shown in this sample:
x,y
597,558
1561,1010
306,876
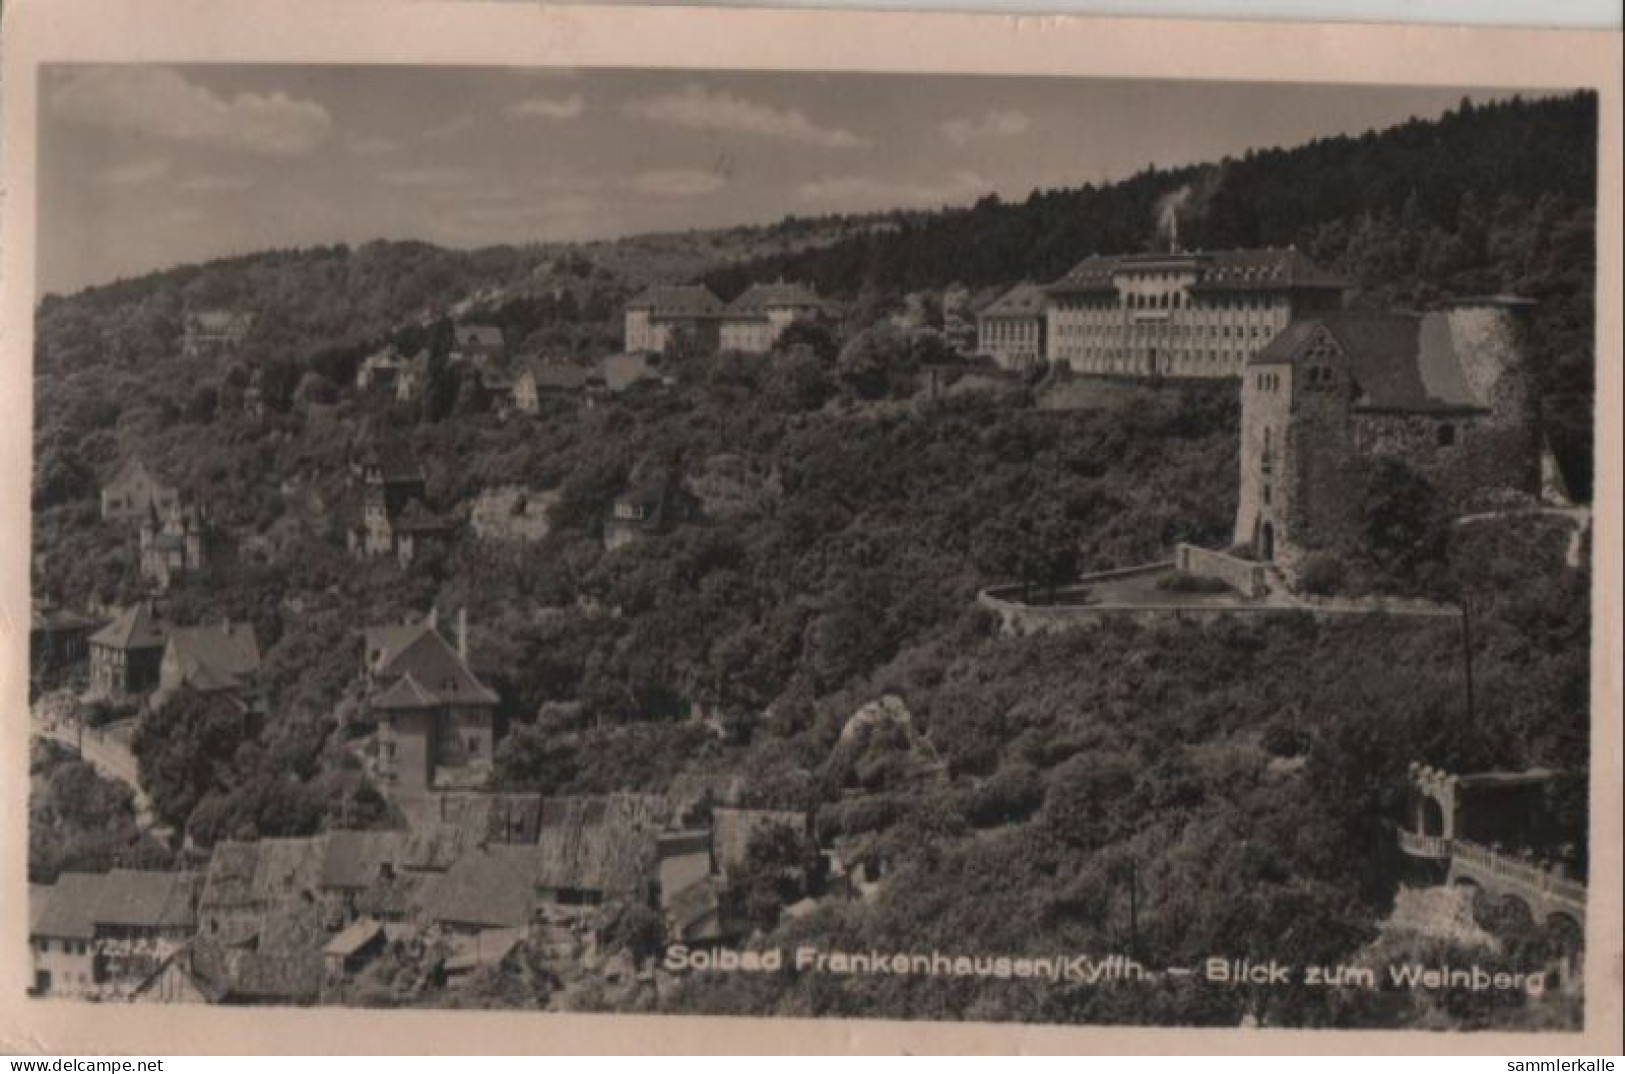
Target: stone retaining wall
x,y
1244,576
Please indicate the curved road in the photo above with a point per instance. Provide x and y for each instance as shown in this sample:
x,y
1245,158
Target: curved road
x,y
105,753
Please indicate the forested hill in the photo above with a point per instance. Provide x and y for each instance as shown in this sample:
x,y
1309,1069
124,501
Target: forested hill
x,y
1485,198
1453,178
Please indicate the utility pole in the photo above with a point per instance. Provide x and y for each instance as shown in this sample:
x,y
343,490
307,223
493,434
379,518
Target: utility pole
x,y
1473,605
1467,652
1133,907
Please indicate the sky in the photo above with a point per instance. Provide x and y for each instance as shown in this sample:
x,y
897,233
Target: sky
x,y
146,166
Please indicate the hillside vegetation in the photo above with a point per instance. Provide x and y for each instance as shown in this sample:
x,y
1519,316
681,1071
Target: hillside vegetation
x,y
1242,776
1485,199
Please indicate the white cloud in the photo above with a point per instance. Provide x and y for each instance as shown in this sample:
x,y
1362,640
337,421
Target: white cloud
x,y
999,123
134,173
213,184
856,192
364,145
678,182
162,102
554,108
433,175
697,108
451,128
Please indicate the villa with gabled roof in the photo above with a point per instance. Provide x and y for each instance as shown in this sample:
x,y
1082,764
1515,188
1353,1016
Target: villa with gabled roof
x,y
753,322
663,313
395,520
435,716
1011,328
135,493
212,658
126,656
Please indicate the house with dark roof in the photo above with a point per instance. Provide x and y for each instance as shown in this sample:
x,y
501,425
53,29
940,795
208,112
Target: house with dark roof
x,y
1447,391
590,850
1181,313
211,331
282,964
126,656
380,370
213,658
753,322
486,949
174,982
96,934
1011,328
62,934
134,493
364,874
540,384
353,947
663,314
436,719
173,542
395,520
651,508
491,887
58,643
476,343
412,377
617,373
247,882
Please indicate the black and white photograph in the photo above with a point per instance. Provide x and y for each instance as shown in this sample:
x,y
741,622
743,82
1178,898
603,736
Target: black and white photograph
x,y
943,547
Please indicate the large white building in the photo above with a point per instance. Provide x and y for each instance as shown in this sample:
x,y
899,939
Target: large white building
x,y
753,322
1182,314
664,313
1011,329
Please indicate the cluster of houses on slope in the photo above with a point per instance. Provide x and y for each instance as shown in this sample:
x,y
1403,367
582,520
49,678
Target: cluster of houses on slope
x,y
295,921
1175,313
528,384
397,521
173,538
140,653
664,315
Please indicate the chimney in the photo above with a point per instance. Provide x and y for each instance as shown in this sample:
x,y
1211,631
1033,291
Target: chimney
x,y
1173,232
434,617
462,634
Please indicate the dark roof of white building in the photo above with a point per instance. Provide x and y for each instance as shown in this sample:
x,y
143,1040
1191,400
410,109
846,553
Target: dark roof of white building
x,y
428,673
137,628
1267,269
759,298
1022,300
668,300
